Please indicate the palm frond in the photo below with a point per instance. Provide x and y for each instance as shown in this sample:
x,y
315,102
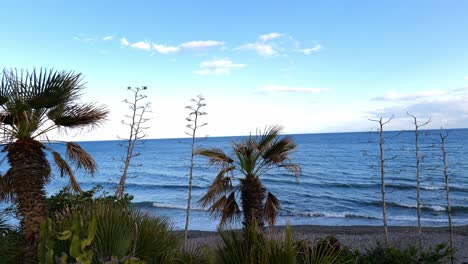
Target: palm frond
x,y
81,158
279,150
220,185
269,135
272,204
49,88
65,169
75,116
231,211
216,156
247,156
292,167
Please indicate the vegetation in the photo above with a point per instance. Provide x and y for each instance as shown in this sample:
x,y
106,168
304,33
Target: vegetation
x,y
447,189
418,158
107,231
76,226
394,255
252,158
33,103
193,125
382,123
11,243
135,122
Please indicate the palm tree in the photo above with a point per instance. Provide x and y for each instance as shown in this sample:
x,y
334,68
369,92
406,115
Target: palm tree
x,y
33,103
251,158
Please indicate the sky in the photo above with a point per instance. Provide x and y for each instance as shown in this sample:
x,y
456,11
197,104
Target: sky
x,y
310,66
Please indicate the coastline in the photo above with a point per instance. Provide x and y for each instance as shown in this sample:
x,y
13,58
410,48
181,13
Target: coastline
x,y
358,237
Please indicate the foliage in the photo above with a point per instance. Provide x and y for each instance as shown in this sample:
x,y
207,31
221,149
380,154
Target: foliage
x,y
251,158
66,198
124,232
255,247
194,255
393,255
11,243
80,241
32,104
327,250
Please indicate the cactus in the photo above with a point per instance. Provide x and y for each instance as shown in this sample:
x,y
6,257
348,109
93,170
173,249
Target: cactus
x,y
46,243
80,247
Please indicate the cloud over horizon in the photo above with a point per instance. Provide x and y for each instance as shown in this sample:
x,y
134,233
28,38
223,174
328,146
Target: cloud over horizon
x,y
448,108
394,96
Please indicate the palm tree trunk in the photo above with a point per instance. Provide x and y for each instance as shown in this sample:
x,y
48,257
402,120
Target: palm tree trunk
x,y
28,173
252,196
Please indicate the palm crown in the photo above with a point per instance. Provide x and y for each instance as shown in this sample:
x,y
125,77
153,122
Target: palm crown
x,y
252,157
33,103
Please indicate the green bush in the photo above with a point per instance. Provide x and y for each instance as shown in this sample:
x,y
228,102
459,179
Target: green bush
x,y
194,255
254,247
409,255
66,198
11,246
123,232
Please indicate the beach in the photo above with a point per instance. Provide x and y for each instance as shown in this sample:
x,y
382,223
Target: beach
x,y
360,237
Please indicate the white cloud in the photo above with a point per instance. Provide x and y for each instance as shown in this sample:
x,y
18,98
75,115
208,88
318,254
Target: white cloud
x,y
195,45
107,38
124,42
218,67
466,78
287,89
84,38
142,45
270,36
201,44
393,96
163,49
261,48
311,50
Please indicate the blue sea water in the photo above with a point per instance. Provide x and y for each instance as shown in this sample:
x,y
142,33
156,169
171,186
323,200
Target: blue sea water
x,y
339,183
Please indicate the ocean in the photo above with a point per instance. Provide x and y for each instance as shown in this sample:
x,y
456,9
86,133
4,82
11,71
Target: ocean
x,y
339,184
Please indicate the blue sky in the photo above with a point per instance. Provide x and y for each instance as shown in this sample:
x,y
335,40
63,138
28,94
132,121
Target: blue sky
x,y
311,66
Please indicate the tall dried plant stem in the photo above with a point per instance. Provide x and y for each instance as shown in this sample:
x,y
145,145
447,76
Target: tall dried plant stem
x,y
382,172
418,176
192,126
447,191
135,121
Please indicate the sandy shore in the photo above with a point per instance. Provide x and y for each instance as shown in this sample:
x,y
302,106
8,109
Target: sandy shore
x,y
361,237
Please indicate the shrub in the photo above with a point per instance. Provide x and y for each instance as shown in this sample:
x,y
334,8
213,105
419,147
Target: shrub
x,y
66,198
123,232
254,247
194,255
11,246
393,255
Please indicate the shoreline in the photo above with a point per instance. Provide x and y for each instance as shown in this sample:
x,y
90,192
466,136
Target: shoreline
x,y
358,237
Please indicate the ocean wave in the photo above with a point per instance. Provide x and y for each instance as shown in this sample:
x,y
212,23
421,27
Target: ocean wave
x,y
351,215
330,215
176,206
395,186
424,207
